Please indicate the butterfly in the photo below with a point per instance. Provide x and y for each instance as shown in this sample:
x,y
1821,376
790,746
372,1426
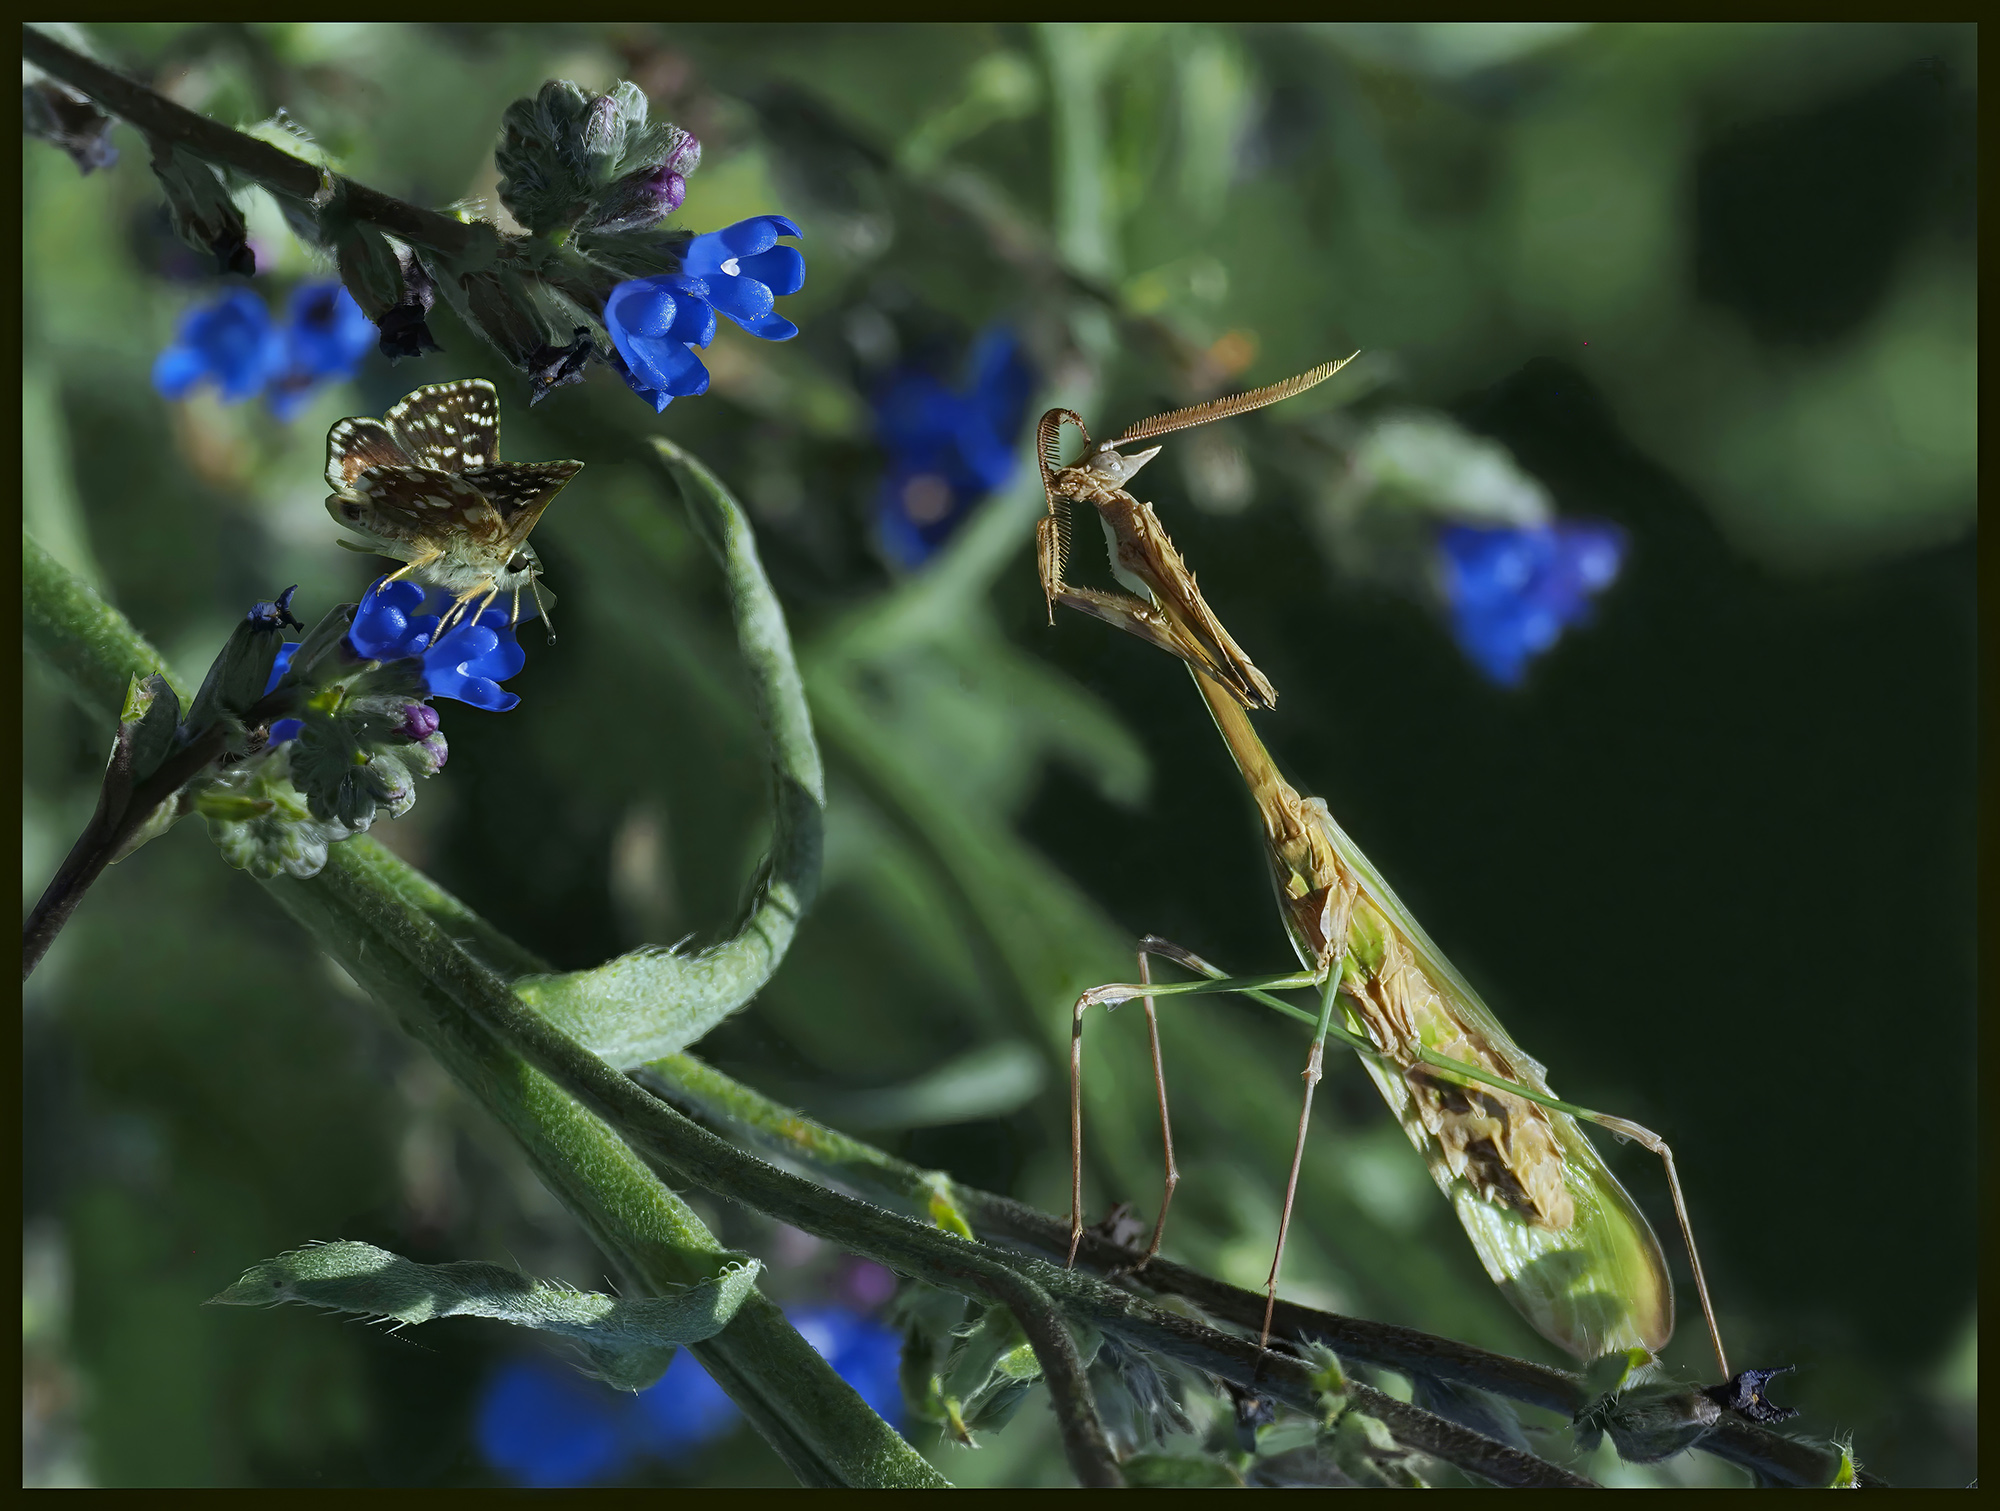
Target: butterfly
x,y
424,485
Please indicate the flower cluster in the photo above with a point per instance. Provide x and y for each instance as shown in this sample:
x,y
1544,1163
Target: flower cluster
x,y
333,731
657,323
544,1426
1513,592
948,447
235,344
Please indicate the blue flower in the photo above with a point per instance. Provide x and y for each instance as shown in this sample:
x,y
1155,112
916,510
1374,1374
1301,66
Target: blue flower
x,y
682,1410
282,729
655,324
545,1426
326,336
1514,591
232,342
467,665
948,448
745,270
863,1352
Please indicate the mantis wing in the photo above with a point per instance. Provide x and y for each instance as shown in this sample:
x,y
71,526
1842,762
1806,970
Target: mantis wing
x,y
1593,1283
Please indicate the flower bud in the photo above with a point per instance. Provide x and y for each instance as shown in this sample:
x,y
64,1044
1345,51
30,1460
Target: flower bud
x,y
238,677
56,113
204,215
427,756
638,201
1743,1393
420,722
1655,1422
550,367
404,332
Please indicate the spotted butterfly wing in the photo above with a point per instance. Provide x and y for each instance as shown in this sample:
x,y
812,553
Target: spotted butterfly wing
x,y
412,506
452,427
519,491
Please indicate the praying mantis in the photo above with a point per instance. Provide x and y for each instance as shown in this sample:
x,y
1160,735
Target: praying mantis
x,y
1551,1224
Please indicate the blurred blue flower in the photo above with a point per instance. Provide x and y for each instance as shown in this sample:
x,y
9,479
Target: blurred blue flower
x,y
326,336
745,270
682,1410
467,665
231,342
544,1425
655,324
948,448
1514,591
863,1352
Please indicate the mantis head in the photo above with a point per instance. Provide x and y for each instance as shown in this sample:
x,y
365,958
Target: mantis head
x,y
1115,466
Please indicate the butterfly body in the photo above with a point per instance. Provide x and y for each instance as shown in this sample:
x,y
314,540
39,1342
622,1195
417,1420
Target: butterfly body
x,y
424,485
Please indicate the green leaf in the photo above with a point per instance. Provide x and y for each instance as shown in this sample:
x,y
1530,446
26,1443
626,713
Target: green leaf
x,y
629,1343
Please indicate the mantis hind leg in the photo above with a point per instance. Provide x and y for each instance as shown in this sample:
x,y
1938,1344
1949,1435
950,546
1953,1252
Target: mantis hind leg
x,y
1173,1175
1146,989
1335,959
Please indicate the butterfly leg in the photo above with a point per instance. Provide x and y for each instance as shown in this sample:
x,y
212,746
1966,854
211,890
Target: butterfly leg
x,y
414,564
457,615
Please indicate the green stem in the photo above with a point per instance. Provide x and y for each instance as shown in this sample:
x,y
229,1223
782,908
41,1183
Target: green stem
x,y
395,931
724,1104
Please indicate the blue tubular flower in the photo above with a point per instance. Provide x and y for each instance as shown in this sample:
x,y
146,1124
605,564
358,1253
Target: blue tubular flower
x,y
545,1426
863,1352
655,324
326,336
948,448
231,341
467,665
472,660
745,270
1514,591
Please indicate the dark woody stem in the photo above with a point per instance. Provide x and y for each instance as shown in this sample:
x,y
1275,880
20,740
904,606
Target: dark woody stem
x,y
108,831
259,161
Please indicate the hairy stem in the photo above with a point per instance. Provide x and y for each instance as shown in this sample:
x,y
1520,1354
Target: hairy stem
x,y
256,160
727,1105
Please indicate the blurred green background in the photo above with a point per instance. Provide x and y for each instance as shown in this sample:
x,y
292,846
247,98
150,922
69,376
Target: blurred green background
x,y
1712,864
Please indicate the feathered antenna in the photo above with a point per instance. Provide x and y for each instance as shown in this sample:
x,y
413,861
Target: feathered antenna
x,y
1235,404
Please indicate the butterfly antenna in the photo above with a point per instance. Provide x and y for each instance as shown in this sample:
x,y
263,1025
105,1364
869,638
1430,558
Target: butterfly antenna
x,y
1235,404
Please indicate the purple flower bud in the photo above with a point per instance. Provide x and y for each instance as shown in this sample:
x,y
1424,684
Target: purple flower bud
x,y
427,756
420,722
686,156
639,200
